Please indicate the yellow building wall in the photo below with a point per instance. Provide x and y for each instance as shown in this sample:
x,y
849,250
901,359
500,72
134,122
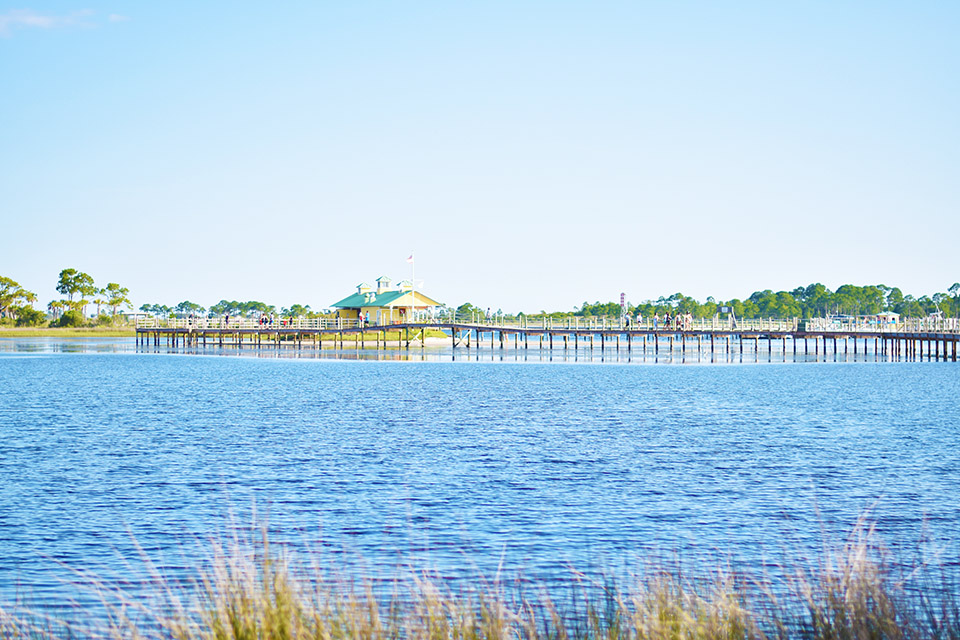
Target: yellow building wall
x,y
391,315
388,315
347,314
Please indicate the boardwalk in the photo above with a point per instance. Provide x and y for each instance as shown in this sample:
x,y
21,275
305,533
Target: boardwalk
x,y
910,340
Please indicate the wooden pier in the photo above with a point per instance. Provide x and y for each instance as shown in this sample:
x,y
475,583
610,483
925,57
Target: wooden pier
x,y
895,343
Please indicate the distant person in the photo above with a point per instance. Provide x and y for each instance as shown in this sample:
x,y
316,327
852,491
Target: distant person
x,y
656,320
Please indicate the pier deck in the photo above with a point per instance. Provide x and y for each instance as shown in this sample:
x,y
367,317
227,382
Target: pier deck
x,y
897,342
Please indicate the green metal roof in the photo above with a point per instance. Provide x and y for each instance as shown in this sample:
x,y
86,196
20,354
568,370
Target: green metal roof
x,y
360,299
384,299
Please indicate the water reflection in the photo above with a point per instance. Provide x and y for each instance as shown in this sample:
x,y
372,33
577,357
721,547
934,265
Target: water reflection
x,y
9,346
673,350
650,353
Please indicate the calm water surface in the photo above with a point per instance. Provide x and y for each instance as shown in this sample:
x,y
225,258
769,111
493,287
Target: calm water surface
x,y
461,465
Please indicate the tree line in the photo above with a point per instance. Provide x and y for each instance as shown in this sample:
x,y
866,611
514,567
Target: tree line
x,y
249,309
79,292
16,303
812,301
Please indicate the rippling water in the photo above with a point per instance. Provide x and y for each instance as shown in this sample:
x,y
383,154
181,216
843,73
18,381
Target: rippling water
x,y
461,465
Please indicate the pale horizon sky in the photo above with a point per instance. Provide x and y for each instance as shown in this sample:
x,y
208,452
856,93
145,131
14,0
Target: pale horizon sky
x,y
532,155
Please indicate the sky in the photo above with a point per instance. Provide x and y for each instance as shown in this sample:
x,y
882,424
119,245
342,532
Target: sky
x,y
532,155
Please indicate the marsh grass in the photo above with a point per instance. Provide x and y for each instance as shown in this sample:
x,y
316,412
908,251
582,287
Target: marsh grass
x,y
67,332
252,589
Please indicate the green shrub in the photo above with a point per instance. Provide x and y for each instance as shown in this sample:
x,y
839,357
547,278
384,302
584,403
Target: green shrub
x,y
71,318
29,317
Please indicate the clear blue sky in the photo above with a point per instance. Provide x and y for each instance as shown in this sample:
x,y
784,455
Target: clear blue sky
x,y
534,155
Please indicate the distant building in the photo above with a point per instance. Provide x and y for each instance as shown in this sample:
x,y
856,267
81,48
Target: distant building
x,y
385,304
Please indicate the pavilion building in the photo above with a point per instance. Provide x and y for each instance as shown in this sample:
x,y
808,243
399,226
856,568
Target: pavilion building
x,y
385,304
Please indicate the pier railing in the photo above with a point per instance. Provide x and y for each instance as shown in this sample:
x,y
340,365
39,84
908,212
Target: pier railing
x,y
575,323
249,324
600,323
908,325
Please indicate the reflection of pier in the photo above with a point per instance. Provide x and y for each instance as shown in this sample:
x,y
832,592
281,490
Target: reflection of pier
x,y
889,342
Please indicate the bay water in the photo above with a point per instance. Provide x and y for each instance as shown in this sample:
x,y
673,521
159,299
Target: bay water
x,y
460,465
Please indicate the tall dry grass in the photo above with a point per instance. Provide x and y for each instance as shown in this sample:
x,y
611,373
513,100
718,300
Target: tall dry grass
x,y
252,591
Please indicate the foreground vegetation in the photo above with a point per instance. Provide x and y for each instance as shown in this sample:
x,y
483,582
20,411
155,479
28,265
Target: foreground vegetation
x,y
258,591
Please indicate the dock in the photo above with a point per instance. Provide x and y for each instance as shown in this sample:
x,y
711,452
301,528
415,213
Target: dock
x,y
910,340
